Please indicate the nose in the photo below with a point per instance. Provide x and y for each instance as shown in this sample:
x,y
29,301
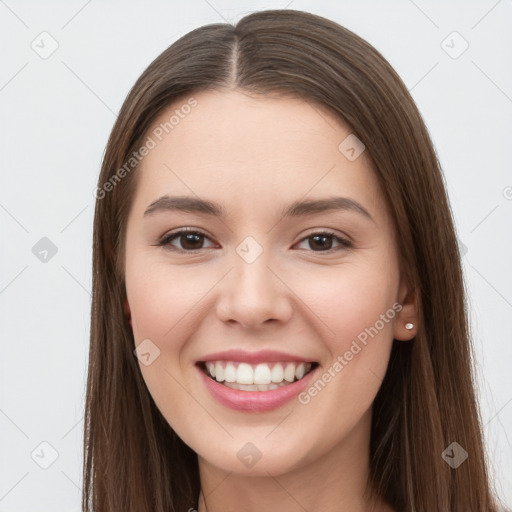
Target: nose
x,y
253,295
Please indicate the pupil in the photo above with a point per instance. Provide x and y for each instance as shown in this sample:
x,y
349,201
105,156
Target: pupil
x,y
190,240
322,237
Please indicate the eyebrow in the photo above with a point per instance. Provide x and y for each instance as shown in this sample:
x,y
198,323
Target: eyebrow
x,y
296,209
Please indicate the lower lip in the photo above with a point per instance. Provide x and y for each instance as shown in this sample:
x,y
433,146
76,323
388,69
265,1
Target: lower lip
x,y
256,401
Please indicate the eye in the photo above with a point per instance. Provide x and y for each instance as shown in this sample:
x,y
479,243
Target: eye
x,y
191,240
324,240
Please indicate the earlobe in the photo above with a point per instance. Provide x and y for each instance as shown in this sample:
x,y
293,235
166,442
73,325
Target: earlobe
x,y
404,331
127,312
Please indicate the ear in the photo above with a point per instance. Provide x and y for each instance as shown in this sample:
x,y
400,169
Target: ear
x,y
127,312
408,314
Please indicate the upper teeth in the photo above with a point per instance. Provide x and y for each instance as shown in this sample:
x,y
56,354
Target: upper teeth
x,y
262,373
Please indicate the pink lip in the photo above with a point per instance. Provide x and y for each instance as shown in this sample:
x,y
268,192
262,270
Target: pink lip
x,y
263,356
255,401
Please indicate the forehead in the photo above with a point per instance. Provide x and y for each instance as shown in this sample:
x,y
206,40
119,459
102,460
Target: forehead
x,y
249,150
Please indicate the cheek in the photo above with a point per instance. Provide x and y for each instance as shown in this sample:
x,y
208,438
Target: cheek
x,y
162,301
160,296
354,302
354,298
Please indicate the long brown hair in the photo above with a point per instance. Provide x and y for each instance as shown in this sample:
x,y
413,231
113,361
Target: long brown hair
x,y
133,460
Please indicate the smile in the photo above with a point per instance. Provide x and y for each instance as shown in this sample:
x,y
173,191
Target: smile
x,y
255,387
256,377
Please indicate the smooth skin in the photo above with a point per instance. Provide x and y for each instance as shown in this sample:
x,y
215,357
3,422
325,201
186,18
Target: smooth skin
x,y
254,155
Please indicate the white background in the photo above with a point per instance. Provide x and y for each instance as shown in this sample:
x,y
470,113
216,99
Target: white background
x,y
56,115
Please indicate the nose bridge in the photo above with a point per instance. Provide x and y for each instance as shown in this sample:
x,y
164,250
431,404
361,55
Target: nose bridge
x,y
252,276
253,293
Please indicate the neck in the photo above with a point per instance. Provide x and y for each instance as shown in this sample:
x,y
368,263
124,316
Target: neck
x,y
333,481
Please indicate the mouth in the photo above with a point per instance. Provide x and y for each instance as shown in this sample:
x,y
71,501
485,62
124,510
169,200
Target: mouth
x,y
244,376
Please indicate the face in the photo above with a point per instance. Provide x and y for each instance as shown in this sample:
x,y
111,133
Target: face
x,y
305,301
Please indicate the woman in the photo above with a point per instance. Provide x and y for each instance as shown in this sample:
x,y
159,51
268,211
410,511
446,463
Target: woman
x,y
278,317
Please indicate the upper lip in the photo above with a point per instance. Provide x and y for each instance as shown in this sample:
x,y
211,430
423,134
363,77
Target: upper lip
x,y
263,356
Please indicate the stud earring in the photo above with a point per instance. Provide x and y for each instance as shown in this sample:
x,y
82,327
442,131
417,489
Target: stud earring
x,y
409,326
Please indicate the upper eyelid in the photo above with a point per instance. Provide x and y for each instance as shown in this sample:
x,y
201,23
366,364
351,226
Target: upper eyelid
x,y
185,230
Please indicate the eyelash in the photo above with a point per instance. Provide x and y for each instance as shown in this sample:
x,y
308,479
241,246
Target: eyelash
x,y
168,238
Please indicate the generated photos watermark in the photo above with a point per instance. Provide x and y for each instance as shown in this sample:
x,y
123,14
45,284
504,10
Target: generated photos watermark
x,y
150,143
354,349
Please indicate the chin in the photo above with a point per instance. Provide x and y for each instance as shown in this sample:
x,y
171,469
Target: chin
x,y
254,458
